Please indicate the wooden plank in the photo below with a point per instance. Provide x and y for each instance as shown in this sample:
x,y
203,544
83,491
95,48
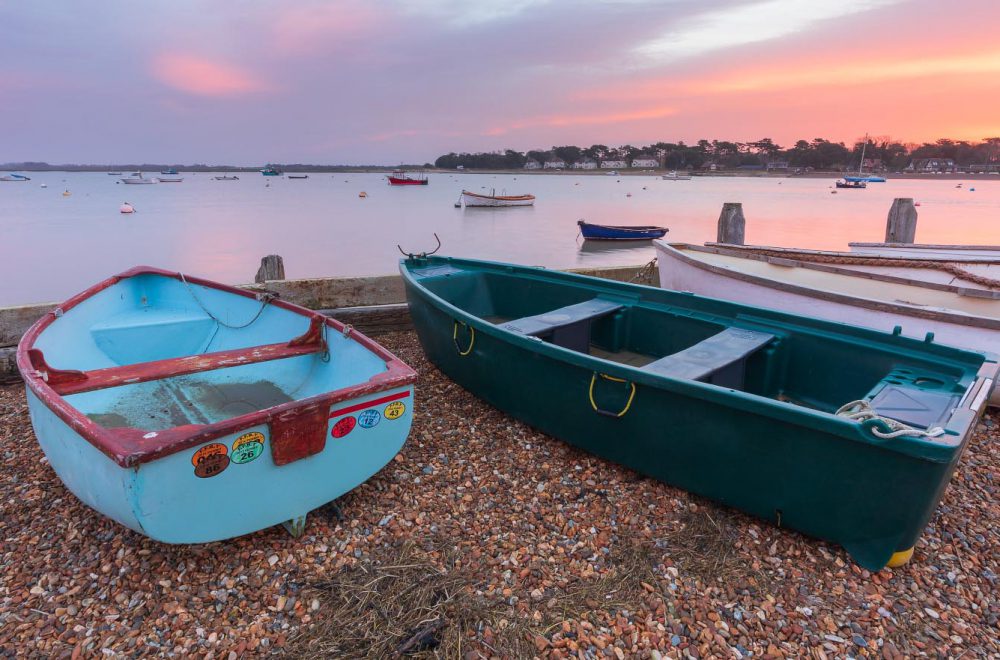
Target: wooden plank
x,y
8,365
321,294
329,293
15,321
373,305
375,319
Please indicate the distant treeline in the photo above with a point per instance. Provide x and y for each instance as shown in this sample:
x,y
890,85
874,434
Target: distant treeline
x,y
818,153
30,166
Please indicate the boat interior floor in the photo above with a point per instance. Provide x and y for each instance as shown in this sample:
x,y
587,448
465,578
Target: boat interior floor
x,y
188,400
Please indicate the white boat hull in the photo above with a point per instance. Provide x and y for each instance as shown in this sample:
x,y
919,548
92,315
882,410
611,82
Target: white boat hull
x,y
494,202
937,252
682,272
139,182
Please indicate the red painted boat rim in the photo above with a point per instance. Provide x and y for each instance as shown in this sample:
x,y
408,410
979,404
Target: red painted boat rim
x,y
130,447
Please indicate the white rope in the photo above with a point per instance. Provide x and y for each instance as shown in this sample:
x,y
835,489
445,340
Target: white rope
x,y
861,411
264,299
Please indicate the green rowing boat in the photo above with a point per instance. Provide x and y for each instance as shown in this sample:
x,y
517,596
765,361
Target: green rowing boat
x,y
842,433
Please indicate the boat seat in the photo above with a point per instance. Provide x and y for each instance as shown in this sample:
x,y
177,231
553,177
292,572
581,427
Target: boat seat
x,y
568,326
720,359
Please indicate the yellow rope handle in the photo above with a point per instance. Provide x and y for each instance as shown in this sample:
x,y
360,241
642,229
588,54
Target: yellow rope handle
x,y
472,340
593,404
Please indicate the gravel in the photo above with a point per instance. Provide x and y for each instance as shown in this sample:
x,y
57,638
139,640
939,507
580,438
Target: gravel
x,y
486,538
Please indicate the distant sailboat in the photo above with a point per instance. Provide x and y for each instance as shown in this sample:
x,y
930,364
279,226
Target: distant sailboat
x,y
862,177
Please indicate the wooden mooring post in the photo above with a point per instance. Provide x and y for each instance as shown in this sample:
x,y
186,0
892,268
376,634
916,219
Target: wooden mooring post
x,y
732,224
272,267
901,225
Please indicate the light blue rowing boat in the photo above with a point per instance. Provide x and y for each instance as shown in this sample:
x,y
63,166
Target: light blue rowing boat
x,y
190,411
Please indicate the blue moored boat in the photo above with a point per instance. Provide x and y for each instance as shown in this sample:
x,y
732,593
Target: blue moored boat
x,y
191,412
620,233
866,179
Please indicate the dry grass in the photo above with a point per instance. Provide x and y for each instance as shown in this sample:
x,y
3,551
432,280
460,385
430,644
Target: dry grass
x,y
704,544
409,606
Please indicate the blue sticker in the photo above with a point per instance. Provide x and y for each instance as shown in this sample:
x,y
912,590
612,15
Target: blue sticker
x,y
369,418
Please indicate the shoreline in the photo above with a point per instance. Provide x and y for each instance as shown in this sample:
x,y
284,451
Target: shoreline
x,y
655,173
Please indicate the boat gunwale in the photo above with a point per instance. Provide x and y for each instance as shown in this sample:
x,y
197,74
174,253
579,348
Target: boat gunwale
x,y
505,198
925,246
939,449
800,259
130,447
932,313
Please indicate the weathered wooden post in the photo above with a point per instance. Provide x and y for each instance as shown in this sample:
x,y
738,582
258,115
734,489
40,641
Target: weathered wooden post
x,y
732,224
272,267
901,225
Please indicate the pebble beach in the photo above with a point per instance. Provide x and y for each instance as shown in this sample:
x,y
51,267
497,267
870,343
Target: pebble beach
x,y
485,538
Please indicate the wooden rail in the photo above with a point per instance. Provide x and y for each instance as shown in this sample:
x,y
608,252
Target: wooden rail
x,y
373,305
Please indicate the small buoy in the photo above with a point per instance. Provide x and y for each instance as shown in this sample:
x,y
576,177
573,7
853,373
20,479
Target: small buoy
x,y
628,194
45,185
833,192
362,194
66,193
916,203
127,208
972,190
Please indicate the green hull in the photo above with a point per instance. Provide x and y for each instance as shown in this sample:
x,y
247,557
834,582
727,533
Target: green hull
x,y
766,441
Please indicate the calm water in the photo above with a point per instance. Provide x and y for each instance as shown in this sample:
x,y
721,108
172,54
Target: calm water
x,y
52,246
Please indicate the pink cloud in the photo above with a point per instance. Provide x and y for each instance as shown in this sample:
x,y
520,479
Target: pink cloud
x,y
200,76
585,120
310,28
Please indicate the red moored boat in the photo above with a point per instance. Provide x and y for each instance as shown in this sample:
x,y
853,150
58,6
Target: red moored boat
x,y
401,178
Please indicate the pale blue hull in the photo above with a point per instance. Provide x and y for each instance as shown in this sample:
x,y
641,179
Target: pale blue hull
x,y
165,501
190,412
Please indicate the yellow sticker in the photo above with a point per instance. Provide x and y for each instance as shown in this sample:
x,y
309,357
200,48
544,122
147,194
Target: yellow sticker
x,y
253,436
394,410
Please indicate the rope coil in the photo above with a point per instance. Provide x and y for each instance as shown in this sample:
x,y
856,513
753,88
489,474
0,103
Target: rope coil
x,y
861,411
264,298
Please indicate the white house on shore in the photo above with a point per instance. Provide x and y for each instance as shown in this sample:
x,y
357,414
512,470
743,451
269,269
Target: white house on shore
x,y
645,161
555,164
613,164
585,164
532,164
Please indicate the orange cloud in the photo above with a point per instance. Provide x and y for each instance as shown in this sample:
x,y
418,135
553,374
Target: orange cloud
x,y
197,75
585,120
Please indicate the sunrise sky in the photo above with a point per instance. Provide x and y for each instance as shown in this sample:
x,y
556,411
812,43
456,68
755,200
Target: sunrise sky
x,y
365,81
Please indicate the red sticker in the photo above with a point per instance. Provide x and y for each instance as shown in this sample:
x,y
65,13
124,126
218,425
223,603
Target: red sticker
x,y
211,465
343,427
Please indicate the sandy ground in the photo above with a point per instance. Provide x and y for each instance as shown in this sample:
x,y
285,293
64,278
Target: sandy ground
x,y
486,538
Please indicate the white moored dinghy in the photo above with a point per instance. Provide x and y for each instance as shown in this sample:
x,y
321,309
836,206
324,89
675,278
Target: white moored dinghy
x,y
960,313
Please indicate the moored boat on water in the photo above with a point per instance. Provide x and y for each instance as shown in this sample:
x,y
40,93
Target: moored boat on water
x,y
674,176
593,231
136,178
471,200
851,185
14,177
227,178
402,178
270,170
799,421
297,176
190,411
